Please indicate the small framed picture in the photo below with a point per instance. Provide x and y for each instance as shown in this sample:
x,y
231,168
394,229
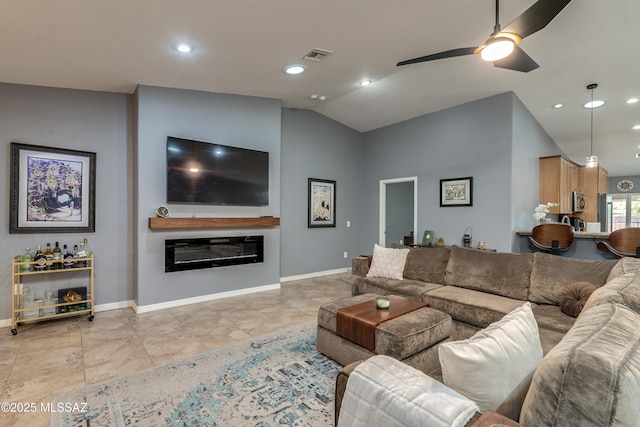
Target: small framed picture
x,y
427,237
456,192
322,203
53,190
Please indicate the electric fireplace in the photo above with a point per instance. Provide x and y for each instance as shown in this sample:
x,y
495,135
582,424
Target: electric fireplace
x,y
190,254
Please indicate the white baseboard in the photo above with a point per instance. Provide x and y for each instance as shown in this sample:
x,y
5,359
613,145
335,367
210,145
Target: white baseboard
x,y
170,304
203,298
316,274
6,323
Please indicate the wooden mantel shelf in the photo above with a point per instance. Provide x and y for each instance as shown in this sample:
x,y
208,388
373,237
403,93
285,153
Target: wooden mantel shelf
x,y
195,223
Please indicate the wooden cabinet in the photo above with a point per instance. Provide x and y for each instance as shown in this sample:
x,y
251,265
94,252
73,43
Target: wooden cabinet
x,y
24,311
559,178
594,181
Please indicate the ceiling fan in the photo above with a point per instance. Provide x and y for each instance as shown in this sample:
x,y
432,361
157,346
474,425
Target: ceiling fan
x,y
502,46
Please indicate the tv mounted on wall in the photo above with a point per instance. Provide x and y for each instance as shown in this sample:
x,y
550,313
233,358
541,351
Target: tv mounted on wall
x,y
214,174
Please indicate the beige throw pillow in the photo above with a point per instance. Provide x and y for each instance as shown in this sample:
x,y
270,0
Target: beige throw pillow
x,y
388,263
488,367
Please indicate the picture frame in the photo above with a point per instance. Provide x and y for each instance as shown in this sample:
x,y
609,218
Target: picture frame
x,y
53,190
427,237
322,203
456,192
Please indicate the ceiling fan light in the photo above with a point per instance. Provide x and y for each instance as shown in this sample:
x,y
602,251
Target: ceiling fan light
x,y
591,162
497,48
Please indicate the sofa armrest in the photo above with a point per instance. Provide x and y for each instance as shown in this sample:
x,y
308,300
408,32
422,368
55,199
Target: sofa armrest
x,y
343,378
360,265
341,385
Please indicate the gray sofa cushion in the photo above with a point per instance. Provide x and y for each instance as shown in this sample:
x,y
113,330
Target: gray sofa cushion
x,y
469,306
623,266
591,377
505,274
407,288
624,290
427,264
551,273
552,318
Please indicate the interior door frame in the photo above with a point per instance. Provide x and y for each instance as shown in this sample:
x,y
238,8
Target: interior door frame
x,y
383,205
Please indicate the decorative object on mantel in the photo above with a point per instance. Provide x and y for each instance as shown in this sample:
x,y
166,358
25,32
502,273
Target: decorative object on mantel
x,y
541,211
481,245
162,212
591,160
466,238
322,203
456,192
440,241
625,185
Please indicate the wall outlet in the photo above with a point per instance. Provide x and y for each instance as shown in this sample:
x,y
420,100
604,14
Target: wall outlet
x,y
345,255
348,224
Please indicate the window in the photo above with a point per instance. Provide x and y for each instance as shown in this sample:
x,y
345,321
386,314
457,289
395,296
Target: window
x,y
623,211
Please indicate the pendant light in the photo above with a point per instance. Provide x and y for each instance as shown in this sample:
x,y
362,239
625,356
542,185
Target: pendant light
x,y
591,161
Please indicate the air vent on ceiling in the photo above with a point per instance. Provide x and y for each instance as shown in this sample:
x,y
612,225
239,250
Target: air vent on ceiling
x,y
317,55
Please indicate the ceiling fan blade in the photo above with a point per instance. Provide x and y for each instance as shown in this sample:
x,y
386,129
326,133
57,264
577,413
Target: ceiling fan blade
x,y
441,55
517,61
536,17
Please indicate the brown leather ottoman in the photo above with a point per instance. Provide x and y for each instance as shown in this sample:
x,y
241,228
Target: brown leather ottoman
x,y
409,338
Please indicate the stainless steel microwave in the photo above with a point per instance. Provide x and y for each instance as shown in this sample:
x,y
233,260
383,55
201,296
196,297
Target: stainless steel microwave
x,y
578,201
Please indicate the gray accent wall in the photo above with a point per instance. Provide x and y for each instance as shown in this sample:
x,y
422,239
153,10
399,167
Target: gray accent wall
x,y
314,146
77,120
234,120
495,140
530,142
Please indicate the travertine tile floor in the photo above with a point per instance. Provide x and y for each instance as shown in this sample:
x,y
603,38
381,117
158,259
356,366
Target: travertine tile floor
x,y
47,358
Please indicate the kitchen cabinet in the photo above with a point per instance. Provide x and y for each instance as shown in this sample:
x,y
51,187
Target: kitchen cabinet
x,y
559,178
594,181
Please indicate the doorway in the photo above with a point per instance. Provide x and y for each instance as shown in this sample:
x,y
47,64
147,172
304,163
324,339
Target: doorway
x,y
398,209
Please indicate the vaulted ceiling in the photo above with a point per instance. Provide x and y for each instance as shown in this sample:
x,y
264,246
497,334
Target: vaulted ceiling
x,y
242,47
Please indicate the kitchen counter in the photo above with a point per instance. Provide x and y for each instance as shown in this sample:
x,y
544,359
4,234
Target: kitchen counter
x,y
576,235
584,245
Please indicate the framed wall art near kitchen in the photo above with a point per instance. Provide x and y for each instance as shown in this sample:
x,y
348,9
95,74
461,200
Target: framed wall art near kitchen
x,y
53,190
456,192
322,203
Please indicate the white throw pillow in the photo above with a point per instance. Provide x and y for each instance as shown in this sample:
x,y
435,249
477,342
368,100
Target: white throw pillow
x,y
491,365
388,262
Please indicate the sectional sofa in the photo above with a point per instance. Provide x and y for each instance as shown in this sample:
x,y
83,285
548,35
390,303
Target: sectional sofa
x,y
590,373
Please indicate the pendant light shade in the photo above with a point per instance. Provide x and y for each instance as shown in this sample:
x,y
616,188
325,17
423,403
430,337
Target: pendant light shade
x,y
591,160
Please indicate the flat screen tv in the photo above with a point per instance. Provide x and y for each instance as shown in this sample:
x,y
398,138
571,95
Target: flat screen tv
x,y
214,174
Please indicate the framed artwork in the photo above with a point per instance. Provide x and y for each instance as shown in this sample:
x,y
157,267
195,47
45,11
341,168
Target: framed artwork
x,y
456,192
322,203
427,237
53,190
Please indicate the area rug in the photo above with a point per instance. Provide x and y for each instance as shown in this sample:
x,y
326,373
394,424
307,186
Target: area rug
x,y
278,379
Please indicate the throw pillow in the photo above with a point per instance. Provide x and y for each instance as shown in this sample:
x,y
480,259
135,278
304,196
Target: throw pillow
x,y
388,263
489,367
574,296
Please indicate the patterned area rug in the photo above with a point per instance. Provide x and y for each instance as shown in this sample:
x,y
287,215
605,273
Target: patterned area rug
x,y
278,379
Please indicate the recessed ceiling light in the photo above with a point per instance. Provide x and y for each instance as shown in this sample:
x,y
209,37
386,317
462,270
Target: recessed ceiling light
x,y
294,69
636,127
558,105
632,100
185,48
595,103
365,82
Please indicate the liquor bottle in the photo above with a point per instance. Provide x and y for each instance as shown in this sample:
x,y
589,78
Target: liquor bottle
x,y
57,257
48,254
39,258
76,255
87,249
68,258
82,253
27,257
